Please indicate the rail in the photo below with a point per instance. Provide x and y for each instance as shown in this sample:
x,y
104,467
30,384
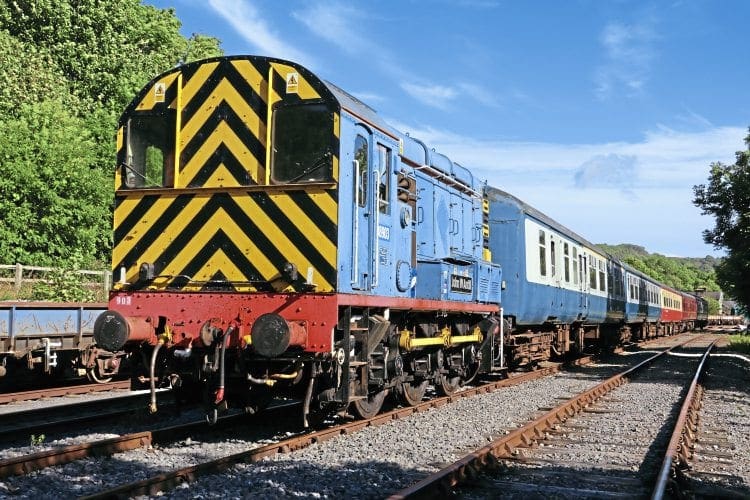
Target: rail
x,y
679,445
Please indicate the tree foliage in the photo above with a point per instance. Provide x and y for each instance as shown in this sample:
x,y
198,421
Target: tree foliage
x,y
686,274
727,198
69,68
107,50
53,205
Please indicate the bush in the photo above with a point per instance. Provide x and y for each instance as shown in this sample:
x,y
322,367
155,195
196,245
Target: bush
x,y
740,343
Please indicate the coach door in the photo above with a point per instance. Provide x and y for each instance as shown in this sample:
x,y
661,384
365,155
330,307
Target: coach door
x,y
364,212
583,283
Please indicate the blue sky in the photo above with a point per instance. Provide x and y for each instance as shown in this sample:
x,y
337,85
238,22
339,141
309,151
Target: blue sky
x,y
602,114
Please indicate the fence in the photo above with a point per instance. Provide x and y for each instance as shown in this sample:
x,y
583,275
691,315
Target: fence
x,y
32,274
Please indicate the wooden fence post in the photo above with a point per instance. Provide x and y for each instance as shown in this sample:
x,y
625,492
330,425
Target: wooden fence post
x,y
19,277
107,282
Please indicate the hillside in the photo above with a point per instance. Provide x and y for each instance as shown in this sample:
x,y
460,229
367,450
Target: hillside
x,y
682,273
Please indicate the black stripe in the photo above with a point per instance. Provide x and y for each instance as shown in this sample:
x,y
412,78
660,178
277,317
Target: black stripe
x,y
225,113
316,214
133,217
225,70
218,282
251,230
188,71
156,230
306,247
171,94
221,241
119,199
333,193
225,156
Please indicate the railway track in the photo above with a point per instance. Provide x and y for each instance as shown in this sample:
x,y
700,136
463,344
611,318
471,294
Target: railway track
x,y
66,415
54,392
608,442
71,477
168,480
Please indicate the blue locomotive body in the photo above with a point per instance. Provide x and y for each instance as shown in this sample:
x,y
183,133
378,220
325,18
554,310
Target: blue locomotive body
x,y
414,229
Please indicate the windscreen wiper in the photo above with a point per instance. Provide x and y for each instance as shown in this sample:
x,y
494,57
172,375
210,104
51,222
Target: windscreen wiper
x,y
312,168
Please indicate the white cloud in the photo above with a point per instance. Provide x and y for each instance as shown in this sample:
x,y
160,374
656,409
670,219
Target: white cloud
x,y
480,94
345,27
610,170
629,53
437,96
248,22
335,22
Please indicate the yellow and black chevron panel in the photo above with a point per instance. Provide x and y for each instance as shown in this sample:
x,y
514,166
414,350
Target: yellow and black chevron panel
x,y
230,241
218,222
222,108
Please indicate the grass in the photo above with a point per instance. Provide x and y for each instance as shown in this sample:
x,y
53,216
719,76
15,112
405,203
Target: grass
x,y
740,343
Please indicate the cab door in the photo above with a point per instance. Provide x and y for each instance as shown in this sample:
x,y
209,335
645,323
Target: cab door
x,y
364,210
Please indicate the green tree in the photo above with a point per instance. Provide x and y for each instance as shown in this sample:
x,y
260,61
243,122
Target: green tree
x,y
53,204
107,50
68,68
713,306
29,76
727,198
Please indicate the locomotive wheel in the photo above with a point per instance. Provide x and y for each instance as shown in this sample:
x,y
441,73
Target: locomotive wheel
x,y
448,384
413,392
370,406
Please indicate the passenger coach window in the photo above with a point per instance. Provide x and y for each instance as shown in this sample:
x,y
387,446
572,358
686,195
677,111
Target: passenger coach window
x,y
301,140
566,253
575,265
149,160
602,282
552,257
542,253
592,273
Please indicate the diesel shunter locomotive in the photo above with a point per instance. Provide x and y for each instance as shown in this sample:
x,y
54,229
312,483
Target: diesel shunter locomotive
x,y
273,236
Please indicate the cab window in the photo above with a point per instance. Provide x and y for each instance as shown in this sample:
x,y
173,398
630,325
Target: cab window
x,y
149,156
361,157
384,185
301,138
